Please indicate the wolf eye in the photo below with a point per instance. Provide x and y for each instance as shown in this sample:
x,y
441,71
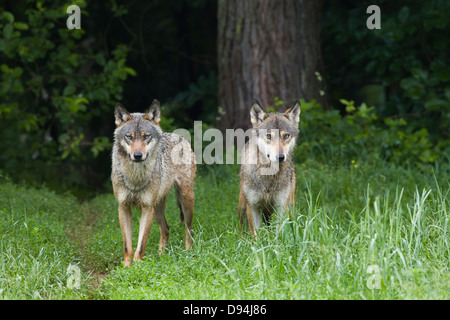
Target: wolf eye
x,y
146,136
268,136
129,136
286,136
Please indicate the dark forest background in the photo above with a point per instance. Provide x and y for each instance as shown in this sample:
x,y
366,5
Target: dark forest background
x,y
384,95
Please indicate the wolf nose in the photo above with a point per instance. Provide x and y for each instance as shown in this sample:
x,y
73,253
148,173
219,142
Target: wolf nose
x,y
137,156
281,157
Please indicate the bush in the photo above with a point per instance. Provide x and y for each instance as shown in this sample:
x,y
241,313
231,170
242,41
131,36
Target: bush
x,y
55,85
360,134
402,68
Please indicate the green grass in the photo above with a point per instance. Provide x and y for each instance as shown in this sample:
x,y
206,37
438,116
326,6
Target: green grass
x,y
346,219
35,251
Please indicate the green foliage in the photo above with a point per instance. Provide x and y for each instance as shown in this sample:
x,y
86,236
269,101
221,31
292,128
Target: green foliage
x,y
56,85
359,134
196,100
404,67
277,102
172,48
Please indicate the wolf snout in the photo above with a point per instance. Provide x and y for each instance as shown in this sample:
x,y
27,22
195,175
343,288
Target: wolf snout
x,y
277,157
138,156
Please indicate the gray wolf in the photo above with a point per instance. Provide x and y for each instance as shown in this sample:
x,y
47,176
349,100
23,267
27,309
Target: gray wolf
x,y
146,163
267,174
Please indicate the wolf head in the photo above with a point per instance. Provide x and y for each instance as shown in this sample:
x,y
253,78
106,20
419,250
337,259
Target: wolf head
x,y
137,133
276,132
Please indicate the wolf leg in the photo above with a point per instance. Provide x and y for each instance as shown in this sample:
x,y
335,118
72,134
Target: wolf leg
x,y
125,225
242,209
254,218
283,205
187,205
185,198
144,230
291,200
163,226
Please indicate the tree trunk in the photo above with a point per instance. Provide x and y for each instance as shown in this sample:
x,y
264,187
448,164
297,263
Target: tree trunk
x,y
267,49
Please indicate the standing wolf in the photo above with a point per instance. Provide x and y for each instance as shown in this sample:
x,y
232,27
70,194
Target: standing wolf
x,y
146,162
267,176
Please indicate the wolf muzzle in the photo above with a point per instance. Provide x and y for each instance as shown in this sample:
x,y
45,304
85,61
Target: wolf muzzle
x,y
138,157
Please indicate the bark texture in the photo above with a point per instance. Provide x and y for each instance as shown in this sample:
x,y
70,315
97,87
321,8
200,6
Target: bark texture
x,y
267,49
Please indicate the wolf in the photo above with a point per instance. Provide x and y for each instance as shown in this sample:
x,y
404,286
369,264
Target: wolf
x,y
267,175
146,163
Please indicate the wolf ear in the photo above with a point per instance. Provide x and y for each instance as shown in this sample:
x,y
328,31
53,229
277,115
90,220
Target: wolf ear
x,y
293,113
257,115
154,112
121,114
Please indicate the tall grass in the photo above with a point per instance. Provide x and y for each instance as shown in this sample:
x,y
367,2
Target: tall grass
x,y
35,251
354,234
358,231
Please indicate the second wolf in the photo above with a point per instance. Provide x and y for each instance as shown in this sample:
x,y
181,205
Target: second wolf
x,y
146,163
267,176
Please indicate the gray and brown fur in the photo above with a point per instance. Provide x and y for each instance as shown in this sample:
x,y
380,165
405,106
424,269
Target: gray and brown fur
x,y
146,163
267,175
